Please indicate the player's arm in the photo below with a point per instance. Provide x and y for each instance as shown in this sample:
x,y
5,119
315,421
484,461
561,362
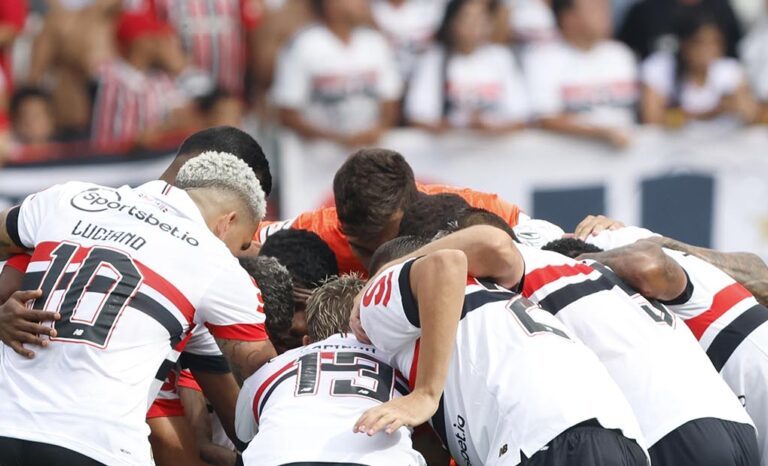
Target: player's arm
x,y
196,413
221,389
645,267
744,267
437,281
246,357
490,253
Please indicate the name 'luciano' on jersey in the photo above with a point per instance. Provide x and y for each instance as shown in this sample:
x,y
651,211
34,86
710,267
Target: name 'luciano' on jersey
x,y
98,233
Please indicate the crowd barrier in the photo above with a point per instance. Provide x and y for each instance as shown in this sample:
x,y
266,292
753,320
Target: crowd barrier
x,y
705,187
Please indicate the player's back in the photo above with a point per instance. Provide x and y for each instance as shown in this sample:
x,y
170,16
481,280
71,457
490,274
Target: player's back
x,y
650,354
127,269
517,378
305,402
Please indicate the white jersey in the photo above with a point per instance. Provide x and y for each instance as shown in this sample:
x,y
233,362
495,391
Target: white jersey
x,y
485,84
335,85
652,356
598,85
303,404
517,378
132,272
724,77
753,51
409,28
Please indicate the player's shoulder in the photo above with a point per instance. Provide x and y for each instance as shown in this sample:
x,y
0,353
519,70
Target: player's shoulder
x,y
545,53
371,36
615,48
79,195
306,36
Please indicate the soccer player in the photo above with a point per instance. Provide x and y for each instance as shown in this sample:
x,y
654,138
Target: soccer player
x,y
310,262
677,400
115,264
726,319
514,387
371,190
314,394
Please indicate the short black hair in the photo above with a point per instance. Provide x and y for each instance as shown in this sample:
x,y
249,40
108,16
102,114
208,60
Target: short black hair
x,y
307,257
22,94
207,102
395,249
561,6
476,216
570,247
276,287
234,141
369,188
431,214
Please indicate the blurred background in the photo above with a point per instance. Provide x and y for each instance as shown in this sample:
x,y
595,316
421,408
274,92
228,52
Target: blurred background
x,y
651,111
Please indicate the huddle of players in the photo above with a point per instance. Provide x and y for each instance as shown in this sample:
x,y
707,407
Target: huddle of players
x,y
553,361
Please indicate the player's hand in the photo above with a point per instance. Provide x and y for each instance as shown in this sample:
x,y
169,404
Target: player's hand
x,y
19,325
411,411
594,225
356,325
619,139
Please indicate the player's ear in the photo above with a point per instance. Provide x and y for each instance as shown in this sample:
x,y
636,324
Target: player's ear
x,y
306,341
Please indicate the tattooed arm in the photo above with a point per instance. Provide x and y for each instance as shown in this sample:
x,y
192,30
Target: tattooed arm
x,y
246,357
744,267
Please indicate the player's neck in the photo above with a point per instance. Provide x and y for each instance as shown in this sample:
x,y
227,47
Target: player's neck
x,y
138,61
341,29
580,42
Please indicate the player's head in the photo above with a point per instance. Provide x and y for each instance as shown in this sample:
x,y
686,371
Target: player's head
x,y
352,12
430,214
395,249
476,216
228,195
223,139
701,41
309,259
571,247
274,281
329,307
466,24
586,21
372,189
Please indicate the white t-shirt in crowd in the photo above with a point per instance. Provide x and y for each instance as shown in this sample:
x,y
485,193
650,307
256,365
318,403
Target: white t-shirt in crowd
x,y
409,28
486,83
532,21
724,76
336,85
599,85
754,55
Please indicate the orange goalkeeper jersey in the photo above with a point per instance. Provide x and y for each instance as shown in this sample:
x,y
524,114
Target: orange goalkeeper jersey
x,y
325,223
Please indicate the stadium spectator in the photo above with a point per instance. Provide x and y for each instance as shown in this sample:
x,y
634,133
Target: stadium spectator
x,y
13,15
220,108
586,84
76,38
32,117
213,35
698,81
466,81
409,26
532,21
137,99
338,80
650,24
754,54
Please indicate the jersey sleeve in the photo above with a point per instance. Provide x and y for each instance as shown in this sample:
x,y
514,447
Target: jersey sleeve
x,y
423,101
390,85
246,425
25,221
612,239
202,353
389,311
543,82
515,103
232,307
291,88
267,229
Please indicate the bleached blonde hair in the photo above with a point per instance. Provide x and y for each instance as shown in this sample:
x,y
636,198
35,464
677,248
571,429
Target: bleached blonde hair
x,y
224,171
329,307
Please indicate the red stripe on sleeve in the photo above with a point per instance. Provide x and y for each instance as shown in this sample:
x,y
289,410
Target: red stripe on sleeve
x,y
242,332
263,387
721,303
539,278
414,366
19,262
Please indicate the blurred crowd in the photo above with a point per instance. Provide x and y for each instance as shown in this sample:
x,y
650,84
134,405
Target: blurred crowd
x,y
110,76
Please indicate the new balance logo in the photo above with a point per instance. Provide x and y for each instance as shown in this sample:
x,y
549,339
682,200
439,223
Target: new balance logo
x,y
78,332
